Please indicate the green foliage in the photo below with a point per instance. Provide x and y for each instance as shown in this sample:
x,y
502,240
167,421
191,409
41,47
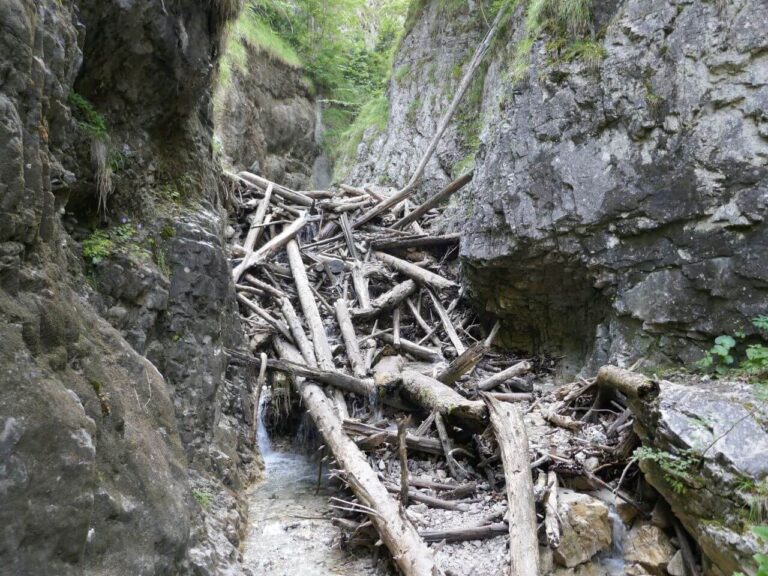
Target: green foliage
x,y
762,559
413,109
97,247
402,73
677,468
203,497
88,118
591,53
103,243
347,129
755,361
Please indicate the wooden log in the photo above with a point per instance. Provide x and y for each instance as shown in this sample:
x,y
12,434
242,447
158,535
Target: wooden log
x,y
421,322
396,327
430,501
417,241
402,451
408,550
260,381
501,377
464,534
513,396
445,441
309,307
270,248
413,442
417,273
631,384
509,428
274,322
551,522
457,490
436,396
360,282
463,363
438,198
356,359
264,286
447,324
386,301
256,228
299,336
287,193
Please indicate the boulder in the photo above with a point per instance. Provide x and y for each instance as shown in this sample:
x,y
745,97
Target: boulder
x,y
676,566
585,528
649,547
728,423
586,569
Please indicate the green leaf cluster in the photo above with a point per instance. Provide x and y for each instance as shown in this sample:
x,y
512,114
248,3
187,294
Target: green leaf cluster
x,y
88,118
721,357
105,242
677,468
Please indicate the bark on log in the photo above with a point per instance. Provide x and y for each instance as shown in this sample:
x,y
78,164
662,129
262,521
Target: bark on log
x,y
386,301
445,440
631,384
430,501
413,442
417,241
287,193
509,428
441,196
356,359
270,248
299,336
463,534
436,396
499,378
447,324
417,273
406,546
551,522
463,363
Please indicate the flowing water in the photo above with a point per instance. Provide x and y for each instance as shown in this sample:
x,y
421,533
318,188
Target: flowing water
x,y
613,561
290,532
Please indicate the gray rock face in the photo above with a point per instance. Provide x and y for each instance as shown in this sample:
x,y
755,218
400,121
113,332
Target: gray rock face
x,y
266,115
427,69
620,211
105,432
725,422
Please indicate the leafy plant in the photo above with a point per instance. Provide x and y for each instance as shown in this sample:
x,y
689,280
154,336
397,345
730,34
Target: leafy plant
x,y
762,559
203,497
97,246
88,118
719,356
677,469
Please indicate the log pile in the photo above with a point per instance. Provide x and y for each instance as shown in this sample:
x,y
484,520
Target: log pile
x,y
366,315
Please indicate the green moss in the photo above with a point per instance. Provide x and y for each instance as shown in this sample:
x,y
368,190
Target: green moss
x,y
88,118
402,73
413,110
591,53
203,497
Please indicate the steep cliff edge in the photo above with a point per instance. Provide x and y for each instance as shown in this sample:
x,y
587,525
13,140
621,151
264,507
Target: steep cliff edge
x,y
619,199
124,431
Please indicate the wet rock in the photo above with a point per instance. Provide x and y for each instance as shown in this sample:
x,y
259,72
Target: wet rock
x,y
585,528
726,422
648,546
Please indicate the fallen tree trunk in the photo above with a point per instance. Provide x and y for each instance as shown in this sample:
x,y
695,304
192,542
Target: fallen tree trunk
x,y
416,350
350,338
463,534
441,196
386,301
408,550
463,363
435,396
270,248
509,428
631,384
417,273
501,377
416,241
413,442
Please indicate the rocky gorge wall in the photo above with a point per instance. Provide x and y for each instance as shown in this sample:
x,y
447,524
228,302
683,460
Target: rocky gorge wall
x,y
618,205
124,431
266,120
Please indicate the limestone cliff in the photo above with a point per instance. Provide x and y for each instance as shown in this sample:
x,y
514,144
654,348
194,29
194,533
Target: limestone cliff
x,y
123,430
619,200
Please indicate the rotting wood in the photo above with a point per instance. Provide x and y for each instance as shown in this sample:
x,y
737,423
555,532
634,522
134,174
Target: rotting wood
x,y
631,384
447,445
505,375
421,275
435,396
409,551
509,428
386,301
463,364
551,522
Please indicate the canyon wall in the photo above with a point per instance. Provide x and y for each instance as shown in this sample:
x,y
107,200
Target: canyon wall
x,y
124,430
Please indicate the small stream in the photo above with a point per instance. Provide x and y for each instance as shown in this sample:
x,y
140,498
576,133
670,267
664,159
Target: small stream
x,y
290,532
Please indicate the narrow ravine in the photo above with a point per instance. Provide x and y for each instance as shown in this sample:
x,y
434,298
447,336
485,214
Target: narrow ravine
x,y
289,529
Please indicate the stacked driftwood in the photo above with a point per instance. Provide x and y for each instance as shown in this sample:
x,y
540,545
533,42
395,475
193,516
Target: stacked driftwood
x,y
351,294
